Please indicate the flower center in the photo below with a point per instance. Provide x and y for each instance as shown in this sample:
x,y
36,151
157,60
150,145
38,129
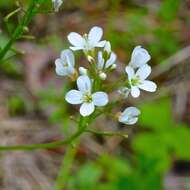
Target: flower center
x,y
86,45
135,81
87,97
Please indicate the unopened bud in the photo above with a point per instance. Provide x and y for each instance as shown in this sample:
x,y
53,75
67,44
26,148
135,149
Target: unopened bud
x,y
83,71
113,66
103,76
90,58
25,29
107,47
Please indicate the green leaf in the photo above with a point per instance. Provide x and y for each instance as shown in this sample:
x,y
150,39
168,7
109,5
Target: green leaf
x,y
156,115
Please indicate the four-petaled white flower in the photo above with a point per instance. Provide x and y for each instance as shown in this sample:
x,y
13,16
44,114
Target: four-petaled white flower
x,y
129,116
65,64
85,96
139,57
57,4
104,65
87,42
137,80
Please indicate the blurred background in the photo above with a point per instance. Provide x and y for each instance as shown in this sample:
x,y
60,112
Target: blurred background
x,y
155,156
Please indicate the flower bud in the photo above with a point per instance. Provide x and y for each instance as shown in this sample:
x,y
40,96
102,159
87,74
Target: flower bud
x,y
107,47
57,4
90,58
113,66
103,76
83,71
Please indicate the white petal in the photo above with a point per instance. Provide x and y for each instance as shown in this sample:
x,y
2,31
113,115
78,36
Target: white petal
x,y
86,109
129,115
84,83
76,39
68,56
95,35
83,71
111,60
123,118
135,92
130,71
107,47
132,111
59,69
143,72
74,97
100,98
101,43
148,86
132,121
70,70
100,64
139,57
76,48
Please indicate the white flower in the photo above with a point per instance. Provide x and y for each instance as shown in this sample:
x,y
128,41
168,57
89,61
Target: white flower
x,y
102,64
87,42
57,4
85,96
129,116
139,57
65,64
138,80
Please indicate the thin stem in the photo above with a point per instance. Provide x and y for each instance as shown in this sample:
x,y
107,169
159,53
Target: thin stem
x,y
20,28
107,133
65,168
47,145
83,123
68,159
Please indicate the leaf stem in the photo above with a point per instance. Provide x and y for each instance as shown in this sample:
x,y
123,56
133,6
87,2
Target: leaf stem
x,y
20,28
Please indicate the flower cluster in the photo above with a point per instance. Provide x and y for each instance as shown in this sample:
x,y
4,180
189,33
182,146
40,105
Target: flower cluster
x,y
101,60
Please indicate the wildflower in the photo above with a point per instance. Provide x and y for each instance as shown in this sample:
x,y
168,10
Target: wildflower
x,y
139,57
57,4
137,81
129,116
65,64
87,42
85,96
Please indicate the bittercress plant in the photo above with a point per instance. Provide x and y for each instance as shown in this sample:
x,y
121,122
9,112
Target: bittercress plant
x,y
91,81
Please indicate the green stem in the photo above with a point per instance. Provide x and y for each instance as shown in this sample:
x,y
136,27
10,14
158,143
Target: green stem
x,y
68,159
20,28
107,133
83,123
48,145
65,168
